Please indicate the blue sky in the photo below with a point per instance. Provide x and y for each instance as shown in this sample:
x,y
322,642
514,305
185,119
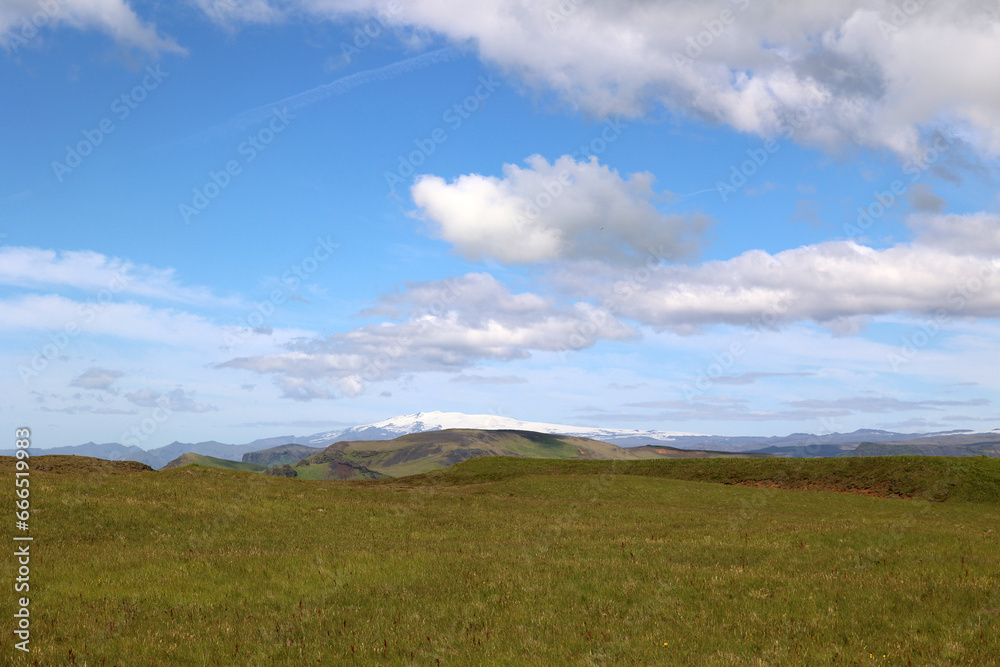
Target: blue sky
x,y
231,220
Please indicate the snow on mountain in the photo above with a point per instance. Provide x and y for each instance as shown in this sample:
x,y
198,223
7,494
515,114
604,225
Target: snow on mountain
x,y
963,431
436,421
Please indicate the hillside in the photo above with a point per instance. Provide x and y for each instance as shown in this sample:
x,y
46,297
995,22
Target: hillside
x,y
421,452
515,561
921,448
938,479
63,464
280,455
664,452
211,462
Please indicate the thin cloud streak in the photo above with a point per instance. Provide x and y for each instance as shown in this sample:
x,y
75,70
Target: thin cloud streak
x,y
345,84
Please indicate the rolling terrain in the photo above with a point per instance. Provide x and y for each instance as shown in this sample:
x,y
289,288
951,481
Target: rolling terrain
x,y
796,445
514,560
421,452
280,455
921,448
212,462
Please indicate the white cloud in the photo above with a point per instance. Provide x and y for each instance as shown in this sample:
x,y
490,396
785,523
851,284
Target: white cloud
x,y
177,400
563,210
97,378
883,74
230,12
723,408
129,321
488,379
92,271
952,267
21,20
63,321
449,326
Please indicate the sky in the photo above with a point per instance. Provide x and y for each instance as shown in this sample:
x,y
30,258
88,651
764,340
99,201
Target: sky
x,y
235,219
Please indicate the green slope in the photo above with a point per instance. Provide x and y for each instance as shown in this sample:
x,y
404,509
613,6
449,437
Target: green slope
x,y
280,455
212,462
421,452
925,449
973,479
561,564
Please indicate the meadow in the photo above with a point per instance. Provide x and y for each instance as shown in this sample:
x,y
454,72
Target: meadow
x,y
501,561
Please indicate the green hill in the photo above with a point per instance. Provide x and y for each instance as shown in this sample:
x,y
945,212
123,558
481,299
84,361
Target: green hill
x,y
280,455
515,561
918,448
418,453
212,462
972,479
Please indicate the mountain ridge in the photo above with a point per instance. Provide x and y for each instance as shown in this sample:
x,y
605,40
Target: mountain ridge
x,y
795,444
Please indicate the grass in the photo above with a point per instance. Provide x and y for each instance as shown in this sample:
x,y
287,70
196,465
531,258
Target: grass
x,y
418,453
972,479
515,562
213,462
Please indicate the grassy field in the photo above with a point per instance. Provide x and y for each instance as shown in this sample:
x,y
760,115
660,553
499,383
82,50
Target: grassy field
x,y
507,561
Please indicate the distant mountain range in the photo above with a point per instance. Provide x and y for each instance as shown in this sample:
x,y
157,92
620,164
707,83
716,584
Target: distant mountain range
x,y
796,444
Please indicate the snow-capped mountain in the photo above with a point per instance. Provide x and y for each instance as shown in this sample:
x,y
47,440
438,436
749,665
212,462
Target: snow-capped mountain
x,y
436,421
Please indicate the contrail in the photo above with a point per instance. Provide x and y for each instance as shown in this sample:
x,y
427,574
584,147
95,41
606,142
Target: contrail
x,y
342,85
692,194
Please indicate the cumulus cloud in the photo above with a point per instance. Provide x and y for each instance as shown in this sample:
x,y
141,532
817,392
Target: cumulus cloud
x,y
446,326
97,378
558,211
874,73
952,266
20,21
